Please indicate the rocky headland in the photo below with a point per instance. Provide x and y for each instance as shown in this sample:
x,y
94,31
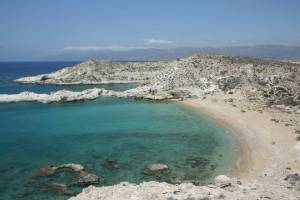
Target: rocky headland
x,y
268,82
258,99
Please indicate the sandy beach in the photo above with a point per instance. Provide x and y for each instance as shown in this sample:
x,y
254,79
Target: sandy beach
x,y
268,147
269,168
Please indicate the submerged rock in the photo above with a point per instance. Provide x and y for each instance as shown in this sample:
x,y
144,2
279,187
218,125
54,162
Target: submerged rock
x,y
156,169
197,161
87,179
79,177
21,194
60,188
110,164
6,168
175,179
48,170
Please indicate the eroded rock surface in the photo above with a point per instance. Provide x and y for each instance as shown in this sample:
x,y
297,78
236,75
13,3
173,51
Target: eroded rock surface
x,y
156,169
276,83
79,177
267,82
222,181
175,179
224,188
98,71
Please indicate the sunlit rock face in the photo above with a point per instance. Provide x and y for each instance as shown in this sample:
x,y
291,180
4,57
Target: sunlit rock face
x,y
267,82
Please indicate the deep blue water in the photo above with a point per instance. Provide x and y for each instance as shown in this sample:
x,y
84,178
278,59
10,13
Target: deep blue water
x,y
10,71
135,133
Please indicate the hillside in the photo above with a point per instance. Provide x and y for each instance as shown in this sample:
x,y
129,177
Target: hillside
x,y
271,82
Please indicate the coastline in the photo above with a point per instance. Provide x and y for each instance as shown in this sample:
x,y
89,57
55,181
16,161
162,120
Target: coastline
x,y
267,134
267,146
245,163
265,169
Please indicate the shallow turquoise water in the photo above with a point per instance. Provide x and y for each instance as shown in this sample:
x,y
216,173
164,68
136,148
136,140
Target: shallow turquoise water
x,y
136,133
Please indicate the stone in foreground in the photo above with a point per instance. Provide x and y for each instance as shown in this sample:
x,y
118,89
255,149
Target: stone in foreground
x,y
222,181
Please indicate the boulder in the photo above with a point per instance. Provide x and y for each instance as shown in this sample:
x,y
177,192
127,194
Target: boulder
x,y
48,170
156,169
175,179
88,179
222,181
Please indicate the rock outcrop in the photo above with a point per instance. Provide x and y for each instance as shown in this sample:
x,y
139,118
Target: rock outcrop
x,y
80,176
99,71
156,169
268,82
60,96
222,181
286,187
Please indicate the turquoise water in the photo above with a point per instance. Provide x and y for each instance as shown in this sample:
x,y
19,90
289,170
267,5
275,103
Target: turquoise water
x,y
134,133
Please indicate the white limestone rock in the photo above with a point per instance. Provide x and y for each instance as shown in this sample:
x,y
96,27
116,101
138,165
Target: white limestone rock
x,y
222,181
156,169
59,96
75,167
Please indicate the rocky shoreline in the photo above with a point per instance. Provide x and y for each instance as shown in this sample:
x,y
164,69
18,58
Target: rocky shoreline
x,y
287,187
267,82
263,97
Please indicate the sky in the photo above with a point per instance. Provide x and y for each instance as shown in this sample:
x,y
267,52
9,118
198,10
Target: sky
x,y
87,25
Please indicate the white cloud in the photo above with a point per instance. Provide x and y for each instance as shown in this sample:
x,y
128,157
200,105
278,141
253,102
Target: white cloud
x,y
99,48
158,42
233,41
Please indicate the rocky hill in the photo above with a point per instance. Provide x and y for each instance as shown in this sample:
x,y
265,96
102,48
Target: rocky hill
x,y
269,89
99,71
269,82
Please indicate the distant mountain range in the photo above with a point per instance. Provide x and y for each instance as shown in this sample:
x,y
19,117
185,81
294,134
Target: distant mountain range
x,y
266,52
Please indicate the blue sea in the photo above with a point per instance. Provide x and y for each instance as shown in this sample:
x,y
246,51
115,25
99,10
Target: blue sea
x,y
134,133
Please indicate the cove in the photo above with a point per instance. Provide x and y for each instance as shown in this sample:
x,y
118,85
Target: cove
x,y
134,133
